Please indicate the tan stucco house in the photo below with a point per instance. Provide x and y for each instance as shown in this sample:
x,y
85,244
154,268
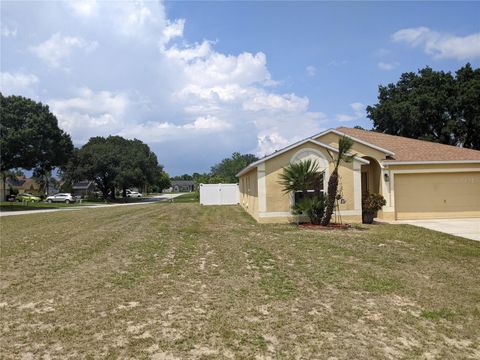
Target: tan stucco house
x,y
419,179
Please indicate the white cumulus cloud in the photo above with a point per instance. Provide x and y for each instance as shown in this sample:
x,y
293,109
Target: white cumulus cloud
x,y
358,113
17,83
59,48
440,45
189,53
91,113
85,8
311,70
6,31
147,80
387,65
172,30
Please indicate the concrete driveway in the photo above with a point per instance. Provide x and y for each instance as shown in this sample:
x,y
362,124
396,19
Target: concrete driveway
x,y
467,228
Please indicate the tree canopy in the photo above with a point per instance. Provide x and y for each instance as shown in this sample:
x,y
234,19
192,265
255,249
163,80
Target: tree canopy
x,y
30,137
228,168
431,105
163,182
224,172
115,162
183,177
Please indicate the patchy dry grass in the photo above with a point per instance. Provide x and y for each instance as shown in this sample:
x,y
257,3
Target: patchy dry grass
x,y
16,206
165,281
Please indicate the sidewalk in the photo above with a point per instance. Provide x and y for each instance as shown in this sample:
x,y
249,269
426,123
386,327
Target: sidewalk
x,y
152,200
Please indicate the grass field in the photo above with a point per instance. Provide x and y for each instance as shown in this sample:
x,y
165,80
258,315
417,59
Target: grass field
x,y
191,197
165,281
17,206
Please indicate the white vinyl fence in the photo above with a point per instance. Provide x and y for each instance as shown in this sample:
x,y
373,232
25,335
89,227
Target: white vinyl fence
x,y
219,194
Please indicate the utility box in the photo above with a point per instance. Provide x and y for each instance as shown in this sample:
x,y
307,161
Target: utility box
x,y
219,194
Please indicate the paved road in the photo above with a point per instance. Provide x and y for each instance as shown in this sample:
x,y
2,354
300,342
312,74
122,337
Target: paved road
x,y
467,228
151,200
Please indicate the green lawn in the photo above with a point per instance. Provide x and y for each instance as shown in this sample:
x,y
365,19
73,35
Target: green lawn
x,y
191,197
167,281
18,206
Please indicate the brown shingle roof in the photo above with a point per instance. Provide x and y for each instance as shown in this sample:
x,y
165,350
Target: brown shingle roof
x,y
407,149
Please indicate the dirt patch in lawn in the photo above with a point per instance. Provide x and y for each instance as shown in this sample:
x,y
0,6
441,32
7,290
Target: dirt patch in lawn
x,y
331,226
176,281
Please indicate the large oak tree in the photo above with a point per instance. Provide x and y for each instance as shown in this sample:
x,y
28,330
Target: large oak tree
x,y
30,137
115,163
228,168
431,105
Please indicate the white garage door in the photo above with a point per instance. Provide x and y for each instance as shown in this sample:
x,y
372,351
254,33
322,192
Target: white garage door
x,y
219,194
437,195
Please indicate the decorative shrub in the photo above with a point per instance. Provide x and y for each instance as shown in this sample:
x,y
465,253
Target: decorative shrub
x,y
313,207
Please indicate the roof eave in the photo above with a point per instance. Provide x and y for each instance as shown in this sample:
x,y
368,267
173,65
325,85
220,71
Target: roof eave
x,y
279,152
429,162
366,143
359,159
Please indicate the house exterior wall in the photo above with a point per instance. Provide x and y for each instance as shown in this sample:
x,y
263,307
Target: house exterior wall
x,y
410,193
262,196
278,203
248,185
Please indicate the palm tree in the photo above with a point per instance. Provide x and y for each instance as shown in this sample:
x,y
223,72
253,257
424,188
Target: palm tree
x,y
301,176
344,146
304,176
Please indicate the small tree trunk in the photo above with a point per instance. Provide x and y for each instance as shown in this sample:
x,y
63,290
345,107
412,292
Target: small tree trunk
x,y
332,194
105,193
46,186
3,195
124,194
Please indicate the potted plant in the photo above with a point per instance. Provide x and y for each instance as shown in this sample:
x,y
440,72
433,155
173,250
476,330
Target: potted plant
x,y
371,203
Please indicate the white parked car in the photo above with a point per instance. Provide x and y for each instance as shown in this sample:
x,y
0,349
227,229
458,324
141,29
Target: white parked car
x,y
61,197
133,194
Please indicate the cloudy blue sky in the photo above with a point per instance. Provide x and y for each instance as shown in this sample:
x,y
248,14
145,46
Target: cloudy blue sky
x,y
200,80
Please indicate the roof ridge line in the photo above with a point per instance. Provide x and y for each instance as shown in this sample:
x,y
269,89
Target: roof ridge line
x,y
434,143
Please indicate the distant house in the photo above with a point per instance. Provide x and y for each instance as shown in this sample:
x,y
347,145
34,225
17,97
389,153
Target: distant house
x,y
182,186
83,188
23,184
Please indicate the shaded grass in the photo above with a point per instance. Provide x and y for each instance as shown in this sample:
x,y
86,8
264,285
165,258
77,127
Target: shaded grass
x,y
191,197
197,281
